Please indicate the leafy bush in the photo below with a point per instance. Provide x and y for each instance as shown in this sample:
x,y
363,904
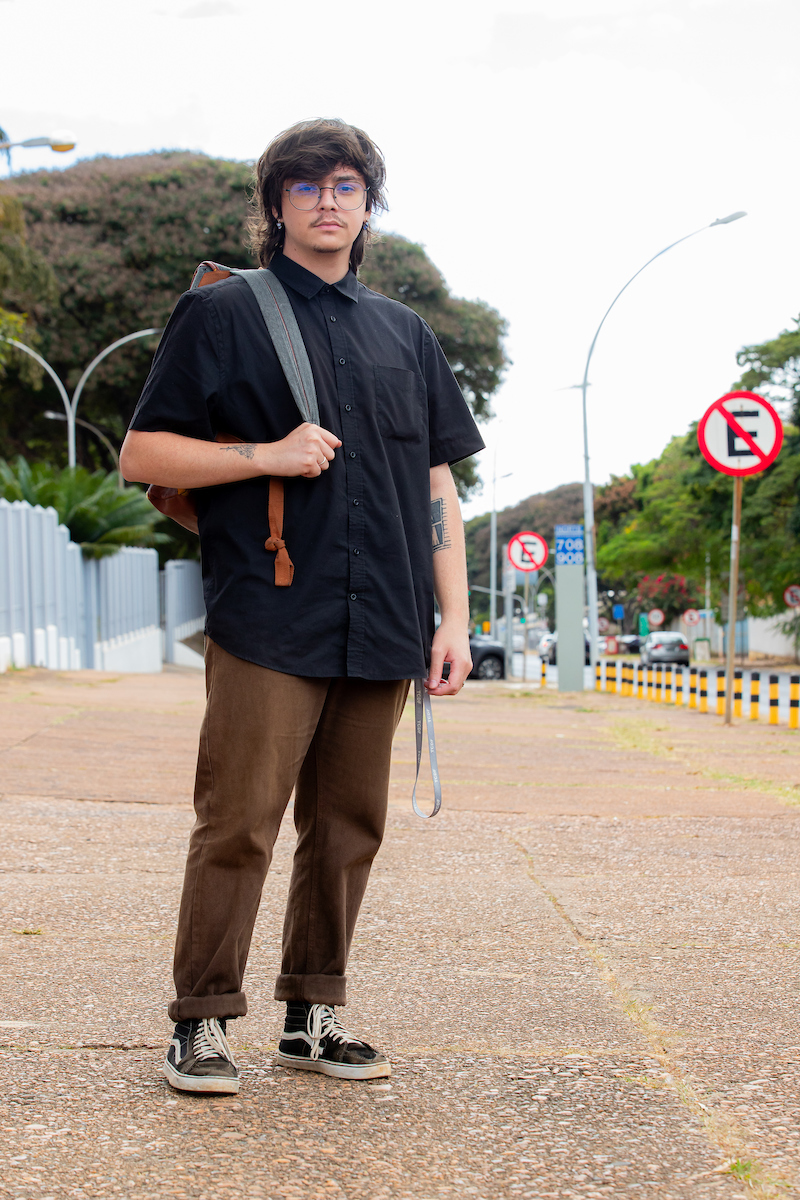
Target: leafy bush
x,y
99,514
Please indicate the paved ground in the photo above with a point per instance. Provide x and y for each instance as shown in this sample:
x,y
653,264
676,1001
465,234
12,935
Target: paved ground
x,y
585,970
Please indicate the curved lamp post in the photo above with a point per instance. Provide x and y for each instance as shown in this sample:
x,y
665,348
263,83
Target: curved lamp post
x,y
71,407
588,495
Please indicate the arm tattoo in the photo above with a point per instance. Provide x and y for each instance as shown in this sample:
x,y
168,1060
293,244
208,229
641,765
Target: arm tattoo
x,y
246,449
439,535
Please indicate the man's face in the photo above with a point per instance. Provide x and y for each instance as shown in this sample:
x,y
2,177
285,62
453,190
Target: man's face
x,y
327,228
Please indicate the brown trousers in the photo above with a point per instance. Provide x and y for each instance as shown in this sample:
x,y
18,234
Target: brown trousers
x,y
264,734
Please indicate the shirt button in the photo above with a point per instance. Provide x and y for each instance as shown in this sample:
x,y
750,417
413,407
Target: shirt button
x,y
355,502
326,289
356,551
352,453
348,407
342,361
353,596
333,318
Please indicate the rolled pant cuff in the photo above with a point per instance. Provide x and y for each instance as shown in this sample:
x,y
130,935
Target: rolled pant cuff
x,y
314,989
193,1008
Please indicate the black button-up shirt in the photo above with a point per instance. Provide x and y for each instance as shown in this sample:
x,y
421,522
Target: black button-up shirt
x,y
359,535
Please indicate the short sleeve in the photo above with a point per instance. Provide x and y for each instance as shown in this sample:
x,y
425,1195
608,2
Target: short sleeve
x,y
452,431
185,382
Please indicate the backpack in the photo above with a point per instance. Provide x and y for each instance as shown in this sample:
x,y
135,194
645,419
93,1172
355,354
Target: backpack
x,y
281,323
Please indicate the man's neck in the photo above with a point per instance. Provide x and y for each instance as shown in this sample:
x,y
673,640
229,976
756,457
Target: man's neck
x,y
330,267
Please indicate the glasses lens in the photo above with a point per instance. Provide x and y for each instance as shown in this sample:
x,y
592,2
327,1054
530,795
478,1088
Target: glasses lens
x,y
349,195
304,195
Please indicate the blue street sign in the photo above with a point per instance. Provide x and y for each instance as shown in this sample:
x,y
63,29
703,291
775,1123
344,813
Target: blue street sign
x,y
569,545
619,612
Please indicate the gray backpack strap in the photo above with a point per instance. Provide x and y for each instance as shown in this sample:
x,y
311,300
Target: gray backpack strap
x,y
282,327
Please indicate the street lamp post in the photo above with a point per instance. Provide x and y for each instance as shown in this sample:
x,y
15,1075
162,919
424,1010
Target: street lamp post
x,y
70,408
61,142
493,549
588,494
98,433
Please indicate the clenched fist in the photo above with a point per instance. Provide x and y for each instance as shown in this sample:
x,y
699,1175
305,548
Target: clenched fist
x,y
307,451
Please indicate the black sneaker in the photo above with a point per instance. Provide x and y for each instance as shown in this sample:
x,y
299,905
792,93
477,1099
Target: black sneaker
x,y
199,1058
314,1039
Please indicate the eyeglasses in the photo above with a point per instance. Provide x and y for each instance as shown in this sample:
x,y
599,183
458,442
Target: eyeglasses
x,y
306,196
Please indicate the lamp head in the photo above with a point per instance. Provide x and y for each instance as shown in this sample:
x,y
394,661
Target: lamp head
x,y
727,220
54,416
62,141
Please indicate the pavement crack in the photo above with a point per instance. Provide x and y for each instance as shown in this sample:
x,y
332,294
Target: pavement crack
x,y
70,716
728,1137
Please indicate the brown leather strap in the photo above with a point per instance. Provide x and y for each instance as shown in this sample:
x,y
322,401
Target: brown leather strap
x,y
284,567
213,277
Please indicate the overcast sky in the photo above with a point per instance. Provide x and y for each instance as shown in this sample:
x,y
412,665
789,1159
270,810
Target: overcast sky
x,y
541,150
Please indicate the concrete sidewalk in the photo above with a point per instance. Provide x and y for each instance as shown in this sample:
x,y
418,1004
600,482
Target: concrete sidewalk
x,y
585,970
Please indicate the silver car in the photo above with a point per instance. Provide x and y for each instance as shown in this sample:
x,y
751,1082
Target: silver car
x,y
664,648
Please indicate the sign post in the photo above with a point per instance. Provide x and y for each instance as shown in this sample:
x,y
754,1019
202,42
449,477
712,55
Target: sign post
x,y
527,551
571,651
740,434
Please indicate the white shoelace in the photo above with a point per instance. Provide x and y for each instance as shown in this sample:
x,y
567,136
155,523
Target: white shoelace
x,y
210,1041
324,1023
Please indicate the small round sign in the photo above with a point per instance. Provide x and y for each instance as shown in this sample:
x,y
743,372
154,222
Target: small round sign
x,y
791,596
691,617
655,617
602,624
740,434
528,551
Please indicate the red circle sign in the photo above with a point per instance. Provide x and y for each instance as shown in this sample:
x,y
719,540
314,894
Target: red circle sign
x,y
528,551
791,596
655,617
691,617
740,434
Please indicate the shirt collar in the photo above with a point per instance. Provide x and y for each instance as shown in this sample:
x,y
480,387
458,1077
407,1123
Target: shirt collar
x,y
308,284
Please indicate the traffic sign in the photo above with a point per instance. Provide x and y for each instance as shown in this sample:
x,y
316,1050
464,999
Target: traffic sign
x,y
569,545
655,617
602,624
792,595
691,617
528,551
740,434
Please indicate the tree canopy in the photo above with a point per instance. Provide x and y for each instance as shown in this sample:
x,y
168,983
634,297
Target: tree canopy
x,y
123,237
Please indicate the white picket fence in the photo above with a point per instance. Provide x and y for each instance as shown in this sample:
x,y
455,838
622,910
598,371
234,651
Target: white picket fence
x,y
64,612
183,608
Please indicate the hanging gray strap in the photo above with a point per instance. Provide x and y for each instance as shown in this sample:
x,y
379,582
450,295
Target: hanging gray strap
x,y
422,700
282,326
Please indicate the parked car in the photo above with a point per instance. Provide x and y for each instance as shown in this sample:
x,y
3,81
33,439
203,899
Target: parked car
x,y
664,648
548,644
488,658
629,643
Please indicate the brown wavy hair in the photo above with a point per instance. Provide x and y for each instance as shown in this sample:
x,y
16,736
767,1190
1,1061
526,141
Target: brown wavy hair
x,y
311,150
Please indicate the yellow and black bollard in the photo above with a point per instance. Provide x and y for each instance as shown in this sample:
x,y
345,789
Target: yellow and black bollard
x,y
692,687
611,677
704,691
720,692
668,683
755,688
650,689
543,676
794,701
640,688
626,679
737,693
774,681
598,676
659,684
678,687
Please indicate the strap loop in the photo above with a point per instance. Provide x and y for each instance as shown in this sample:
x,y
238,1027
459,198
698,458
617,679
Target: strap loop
x,y
422,701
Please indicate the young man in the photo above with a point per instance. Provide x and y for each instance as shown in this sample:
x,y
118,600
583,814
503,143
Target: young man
x,y
305,683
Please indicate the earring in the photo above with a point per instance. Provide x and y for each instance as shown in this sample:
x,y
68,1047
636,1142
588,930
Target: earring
x,y
366,227
280,224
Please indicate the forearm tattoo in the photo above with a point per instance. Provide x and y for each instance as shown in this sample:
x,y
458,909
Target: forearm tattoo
x,y
246,449
439,534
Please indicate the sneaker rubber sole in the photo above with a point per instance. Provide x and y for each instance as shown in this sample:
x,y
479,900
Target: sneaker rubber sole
x,y
200,1083
336,1070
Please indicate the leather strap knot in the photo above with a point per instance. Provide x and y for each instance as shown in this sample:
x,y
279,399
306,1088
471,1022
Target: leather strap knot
x,y
274,543
284,567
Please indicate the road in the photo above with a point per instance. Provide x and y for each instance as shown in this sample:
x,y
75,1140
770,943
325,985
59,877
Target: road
x,y
585,970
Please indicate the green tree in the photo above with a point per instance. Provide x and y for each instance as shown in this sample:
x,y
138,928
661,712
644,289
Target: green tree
x,y
99,514
26,279
124,236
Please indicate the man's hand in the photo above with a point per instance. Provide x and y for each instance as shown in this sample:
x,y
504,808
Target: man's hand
x,y
307,451
450,644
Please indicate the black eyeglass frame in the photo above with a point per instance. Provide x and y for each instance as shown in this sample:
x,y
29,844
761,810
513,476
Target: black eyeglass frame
x,y
329,188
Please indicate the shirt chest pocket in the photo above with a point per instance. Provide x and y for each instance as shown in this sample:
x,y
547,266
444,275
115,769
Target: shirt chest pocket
x,y
400,403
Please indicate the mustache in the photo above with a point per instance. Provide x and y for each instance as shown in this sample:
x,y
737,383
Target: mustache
x,y
328,221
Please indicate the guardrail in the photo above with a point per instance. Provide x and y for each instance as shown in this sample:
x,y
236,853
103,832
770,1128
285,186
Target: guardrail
x,y
696,687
